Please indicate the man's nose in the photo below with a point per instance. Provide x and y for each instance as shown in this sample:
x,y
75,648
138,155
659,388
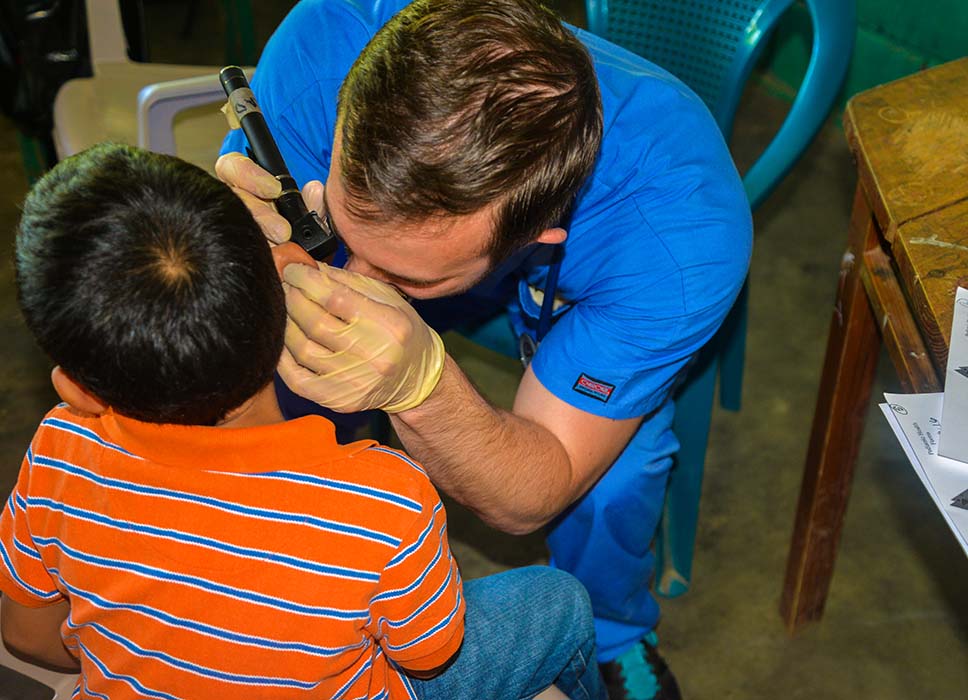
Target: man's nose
x,y
355,264
358,266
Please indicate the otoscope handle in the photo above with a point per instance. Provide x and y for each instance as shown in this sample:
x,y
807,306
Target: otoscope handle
x,y
250,118
307,228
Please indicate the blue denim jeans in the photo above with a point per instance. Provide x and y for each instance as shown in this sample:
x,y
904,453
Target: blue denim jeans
x,y
524,630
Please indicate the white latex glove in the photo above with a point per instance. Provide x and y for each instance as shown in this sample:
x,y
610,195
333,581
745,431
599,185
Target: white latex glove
x,y
353,343
258,188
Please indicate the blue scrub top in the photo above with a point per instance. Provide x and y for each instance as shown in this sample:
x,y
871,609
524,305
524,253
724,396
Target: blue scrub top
x,y
659,241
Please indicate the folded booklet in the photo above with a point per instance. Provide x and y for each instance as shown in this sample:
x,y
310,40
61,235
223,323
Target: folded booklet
x,y
954,443
916,421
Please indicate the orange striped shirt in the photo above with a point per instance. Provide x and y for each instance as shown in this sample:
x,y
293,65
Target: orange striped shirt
x,y
201,562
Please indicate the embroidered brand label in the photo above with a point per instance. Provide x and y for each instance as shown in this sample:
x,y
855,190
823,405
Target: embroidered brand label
x,y
594,388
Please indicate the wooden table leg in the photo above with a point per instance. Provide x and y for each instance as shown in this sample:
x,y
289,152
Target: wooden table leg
x,y
838,423
899,330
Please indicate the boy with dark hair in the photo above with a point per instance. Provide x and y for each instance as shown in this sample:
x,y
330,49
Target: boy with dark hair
x,y
171,536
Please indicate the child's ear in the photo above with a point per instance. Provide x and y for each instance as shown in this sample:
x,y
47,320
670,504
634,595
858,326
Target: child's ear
x,y
290,252
74,394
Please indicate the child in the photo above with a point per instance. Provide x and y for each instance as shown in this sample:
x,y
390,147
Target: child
x,y
171,536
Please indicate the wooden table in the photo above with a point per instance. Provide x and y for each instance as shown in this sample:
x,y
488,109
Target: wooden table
x,y
907,251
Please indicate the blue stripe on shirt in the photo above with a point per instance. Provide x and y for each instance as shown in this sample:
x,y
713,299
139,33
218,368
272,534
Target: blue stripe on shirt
x,y
410,549
207,542
203,584
8,564
87,688
441,589
196,669
85,434
400,592
26,549
342,486
229,507
129,680
167,619
355,677
432,631
401,457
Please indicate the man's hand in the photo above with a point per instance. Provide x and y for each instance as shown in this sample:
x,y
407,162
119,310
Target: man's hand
x,y
257,188
353,343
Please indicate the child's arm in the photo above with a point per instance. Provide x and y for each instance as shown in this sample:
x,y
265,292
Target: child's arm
x,y
427,675
33,634
32,607
418,610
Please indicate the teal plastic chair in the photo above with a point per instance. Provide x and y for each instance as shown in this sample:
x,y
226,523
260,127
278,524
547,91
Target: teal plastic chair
x,y
712,46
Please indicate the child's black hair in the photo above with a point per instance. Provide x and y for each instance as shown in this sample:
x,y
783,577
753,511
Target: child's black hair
x,y
150,284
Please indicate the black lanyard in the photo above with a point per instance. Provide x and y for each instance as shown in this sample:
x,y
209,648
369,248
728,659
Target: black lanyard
x,y
527,345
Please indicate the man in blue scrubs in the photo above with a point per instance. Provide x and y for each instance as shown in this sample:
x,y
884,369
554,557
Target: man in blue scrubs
x,y
472,153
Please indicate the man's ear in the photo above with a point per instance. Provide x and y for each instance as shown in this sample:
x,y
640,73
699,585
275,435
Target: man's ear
x,y
552,236
74,394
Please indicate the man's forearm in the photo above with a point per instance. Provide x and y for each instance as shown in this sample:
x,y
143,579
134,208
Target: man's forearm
x,y
512,472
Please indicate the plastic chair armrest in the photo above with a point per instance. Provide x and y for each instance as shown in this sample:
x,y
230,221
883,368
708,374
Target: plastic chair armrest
x,y
158,104
833,42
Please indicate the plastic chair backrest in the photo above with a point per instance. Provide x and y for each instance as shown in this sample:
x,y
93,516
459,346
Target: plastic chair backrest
x,y
712,46
137,102
106,32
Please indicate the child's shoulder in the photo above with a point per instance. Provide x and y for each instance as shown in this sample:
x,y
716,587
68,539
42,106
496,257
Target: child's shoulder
x,y
371,464
63,419
65,427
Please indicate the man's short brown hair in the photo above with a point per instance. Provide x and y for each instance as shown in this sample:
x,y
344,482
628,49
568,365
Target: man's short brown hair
x,y
458,104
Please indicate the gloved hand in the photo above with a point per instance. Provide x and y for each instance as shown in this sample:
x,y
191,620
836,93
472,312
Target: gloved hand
x,y
353,343
258,189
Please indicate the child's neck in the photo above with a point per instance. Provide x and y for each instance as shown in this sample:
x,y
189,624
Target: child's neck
x,y
261,409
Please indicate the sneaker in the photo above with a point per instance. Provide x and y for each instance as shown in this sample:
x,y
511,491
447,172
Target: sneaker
x,y
640,674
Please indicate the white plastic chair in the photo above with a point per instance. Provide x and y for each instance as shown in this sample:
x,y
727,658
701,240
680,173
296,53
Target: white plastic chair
x,y
153,105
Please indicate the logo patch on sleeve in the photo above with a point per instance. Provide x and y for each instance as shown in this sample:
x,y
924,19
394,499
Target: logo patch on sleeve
x,y
594,388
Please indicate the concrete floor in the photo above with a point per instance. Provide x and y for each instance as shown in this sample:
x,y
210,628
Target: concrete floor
x,y
896,624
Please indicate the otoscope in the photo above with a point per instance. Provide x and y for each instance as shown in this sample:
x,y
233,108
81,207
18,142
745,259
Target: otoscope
x,y
307,228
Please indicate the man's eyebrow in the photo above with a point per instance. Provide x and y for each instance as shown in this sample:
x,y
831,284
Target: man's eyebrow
x,y
398,278
329,220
